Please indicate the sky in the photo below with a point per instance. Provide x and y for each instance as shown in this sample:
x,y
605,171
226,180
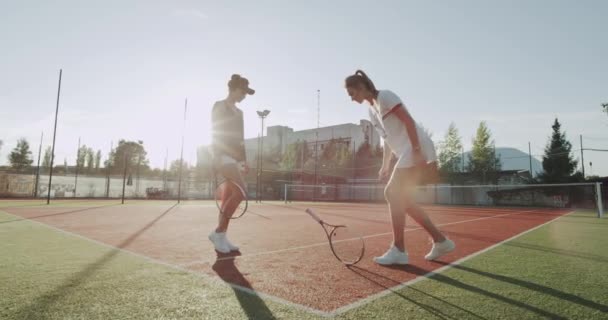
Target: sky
x,y
128,67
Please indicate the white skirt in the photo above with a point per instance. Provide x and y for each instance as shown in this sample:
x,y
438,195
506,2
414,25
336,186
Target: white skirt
x,y
406,159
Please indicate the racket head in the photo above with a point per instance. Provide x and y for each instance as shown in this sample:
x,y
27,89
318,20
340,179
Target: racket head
x,y
223,192
346,244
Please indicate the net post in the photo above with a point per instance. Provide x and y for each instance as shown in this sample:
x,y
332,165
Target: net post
x,y
598,194
285,193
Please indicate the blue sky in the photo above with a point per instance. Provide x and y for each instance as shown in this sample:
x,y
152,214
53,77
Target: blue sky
x,y
129,65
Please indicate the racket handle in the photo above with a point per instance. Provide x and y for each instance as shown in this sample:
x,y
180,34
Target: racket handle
x,y
314,215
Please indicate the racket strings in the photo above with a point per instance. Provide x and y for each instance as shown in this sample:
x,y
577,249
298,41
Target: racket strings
x,y
347,245
225,196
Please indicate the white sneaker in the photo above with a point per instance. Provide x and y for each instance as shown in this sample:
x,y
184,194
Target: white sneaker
x,y
219,241
230,245
392,256
439,249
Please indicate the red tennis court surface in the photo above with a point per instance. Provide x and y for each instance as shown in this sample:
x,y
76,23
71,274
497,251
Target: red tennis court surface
x,y
284,253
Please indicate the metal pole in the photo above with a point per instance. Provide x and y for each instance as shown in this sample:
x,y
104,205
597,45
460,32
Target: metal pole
x,y
354,170
124,178
582,157
257,173
181,161
598,194
108,165
38,167
462,158
137,174
285,193
302,146
165,171
314,188
494,168
48,197
262,162
77,167
530,157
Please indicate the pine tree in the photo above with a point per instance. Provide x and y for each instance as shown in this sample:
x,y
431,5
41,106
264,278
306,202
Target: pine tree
x,y
450,153
483,162
558,161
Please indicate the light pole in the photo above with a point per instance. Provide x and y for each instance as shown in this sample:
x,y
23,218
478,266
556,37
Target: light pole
x,y
262,115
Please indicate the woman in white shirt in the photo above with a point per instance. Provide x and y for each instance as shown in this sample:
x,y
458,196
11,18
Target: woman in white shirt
x,y
414,150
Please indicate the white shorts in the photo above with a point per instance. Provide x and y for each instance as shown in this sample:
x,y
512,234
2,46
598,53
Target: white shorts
x,y
406,160
232,172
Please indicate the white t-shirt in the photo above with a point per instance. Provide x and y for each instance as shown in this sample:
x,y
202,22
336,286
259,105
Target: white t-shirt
x,y
393,131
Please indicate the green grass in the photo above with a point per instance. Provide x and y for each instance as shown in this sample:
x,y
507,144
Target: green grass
x,y
46,274
556,271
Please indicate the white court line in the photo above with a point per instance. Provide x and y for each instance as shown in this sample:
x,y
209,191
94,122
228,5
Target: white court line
x,y
325,243
338,311
388,291
213,280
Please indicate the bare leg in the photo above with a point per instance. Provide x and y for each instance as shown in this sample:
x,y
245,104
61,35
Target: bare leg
x,y
423,219
233,199
396,205
232,193
400,195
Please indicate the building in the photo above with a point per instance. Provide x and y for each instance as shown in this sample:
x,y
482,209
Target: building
x,y
277,139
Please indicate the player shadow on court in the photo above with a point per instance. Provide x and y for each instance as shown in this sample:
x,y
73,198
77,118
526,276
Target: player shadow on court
x,y
534,287
381,281
562,252
61,213
37,308
253,305
367,274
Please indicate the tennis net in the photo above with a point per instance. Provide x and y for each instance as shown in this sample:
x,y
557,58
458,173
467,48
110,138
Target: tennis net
x,y
565,195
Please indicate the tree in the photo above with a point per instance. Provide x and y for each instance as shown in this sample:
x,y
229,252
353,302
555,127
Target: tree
x,y
81,156
130,151
46,160
90,160
174,169
109,162
450,153
20,156
483,164
368,160
203,171
97,160
344,155
558,161
605,106
336,158
295,156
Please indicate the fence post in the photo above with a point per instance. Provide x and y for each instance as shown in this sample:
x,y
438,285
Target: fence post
x,y
600,206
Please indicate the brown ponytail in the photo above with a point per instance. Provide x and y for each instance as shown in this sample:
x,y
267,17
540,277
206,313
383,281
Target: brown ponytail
x,y
360,78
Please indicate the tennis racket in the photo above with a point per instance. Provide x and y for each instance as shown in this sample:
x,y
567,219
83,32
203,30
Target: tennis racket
x,y
223,192
346,245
